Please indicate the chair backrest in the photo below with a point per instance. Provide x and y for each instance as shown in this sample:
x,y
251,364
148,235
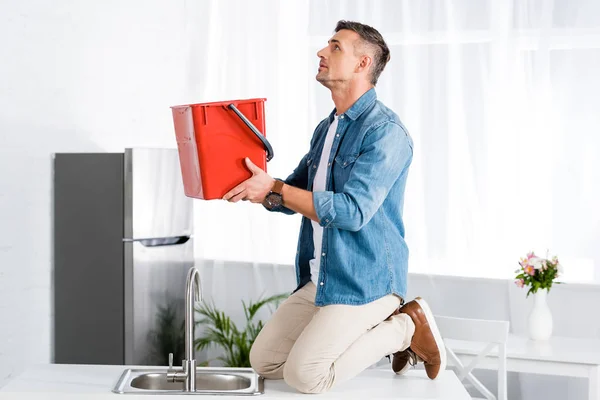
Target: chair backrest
x,y
492,333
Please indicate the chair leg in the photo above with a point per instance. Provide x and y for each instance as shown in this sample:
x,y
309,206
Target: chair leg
x,y
502,373
594,383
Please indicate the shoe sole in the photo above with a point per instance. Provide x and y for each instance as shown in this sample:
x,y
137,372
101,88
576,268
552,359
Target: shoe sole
x,y
436,333
404,369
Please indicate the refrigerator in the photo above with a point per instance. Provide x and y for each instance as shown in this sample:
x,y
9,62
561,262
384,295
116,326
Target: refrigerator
x,y
122,247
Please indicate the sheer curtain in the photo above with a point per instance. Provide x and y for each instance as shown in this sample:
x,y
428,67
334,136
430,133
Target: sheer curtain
x,y
501,98
250,50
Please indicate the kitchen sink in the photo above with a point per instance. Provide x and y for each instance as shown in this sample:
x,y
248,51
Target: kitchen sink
x,y
209,381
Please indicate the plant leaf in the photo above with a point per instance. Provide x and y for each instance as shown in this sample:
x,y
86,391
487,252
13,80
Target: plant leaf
x,y
253,308
219,330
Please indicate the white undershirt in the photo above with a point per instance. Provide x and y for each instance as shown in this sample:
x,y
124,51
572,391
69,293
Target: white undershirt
x,y
319,186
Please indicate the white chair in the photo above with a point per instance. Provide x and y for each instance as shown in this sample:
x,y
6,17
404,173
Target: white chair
x,y
493,333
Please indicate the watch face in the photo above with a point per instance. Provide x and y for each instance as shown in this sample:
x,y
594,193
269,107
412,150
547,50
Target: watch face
x,y
274,200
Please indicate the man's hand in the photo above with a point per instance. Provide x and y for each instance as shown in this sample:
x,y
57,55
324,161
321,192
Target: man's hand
x,y
254,189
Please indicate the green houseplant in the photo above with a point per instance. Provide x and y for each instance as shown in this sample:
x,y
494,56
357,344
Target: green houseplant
x,y
221,331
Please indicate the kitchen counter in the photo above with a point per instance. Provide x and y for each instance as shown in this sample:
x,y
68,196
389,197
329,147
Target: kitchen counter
x,y
59,381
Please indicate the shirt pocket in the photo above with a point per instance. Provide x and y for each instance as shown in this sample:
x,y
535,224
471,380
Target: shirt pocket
x,y
342,167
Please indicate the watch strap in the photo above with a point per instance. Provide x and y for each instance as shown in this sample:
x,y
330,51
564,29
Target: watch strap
x,y
277,187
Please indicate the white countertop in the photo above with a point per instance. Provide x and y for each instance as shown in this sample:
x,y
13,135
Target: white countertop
x,y
58,381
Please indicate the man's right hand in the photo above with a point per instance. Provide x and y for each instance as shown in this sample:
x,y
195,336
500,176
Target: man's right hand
x,y
254,189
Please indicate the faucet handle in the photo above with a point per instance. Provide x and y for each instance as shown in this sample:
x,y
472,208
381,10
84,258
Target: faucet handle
x,y
172,375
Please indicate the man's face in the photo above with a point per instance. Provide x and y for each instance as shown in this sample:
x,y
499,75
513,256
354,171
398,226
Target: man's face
x,y
338,61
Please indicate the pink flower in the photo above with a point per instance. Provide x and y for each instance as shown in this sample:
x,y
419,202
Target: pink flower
x,y
530,255
529,270
520,283
523,262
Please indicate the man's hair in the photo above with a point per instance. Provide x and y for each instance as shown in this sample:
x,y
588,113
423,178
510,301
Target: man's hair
x,y
373,39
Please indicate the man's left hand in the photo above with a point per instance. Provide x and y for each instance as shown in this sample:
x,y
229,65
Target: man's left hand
x,y
254,189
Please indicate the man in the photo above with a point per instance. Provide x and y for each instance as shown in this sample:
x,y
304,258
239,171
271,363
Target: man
x,y
351,263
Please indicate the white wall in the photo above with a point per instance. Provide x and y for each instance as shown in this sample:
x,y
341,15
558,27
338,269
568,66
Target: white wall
x,y
89,76
74,77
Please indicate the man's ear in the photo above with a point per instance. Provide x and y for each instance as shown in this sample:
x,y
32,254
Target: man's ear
x,y
364,63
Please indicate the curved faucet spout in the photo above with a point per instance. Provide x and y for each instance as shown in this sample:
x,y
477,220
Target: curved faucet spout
x,y
194,277
193,293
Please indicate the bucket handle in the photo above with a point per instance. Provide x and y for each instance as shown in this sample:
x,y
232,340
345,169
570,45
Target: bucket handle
x,y
254,130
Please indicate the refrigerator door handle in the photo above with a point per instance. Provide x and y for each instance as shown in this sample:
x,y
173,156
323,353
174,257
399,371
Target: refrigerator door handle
x,y
164,241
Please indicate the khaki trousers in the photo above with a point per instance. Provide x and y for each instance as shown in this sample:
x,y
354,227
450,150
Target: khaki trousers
x,y
314,348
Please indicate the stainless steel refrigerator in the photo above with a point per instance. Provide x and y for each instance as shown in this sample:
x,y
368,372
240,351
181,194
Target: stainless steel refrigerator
x,y
122,247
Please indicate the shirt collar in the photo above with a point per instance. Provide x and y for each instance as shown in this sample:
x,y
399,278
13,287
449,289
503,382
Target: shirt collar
x,y
363,102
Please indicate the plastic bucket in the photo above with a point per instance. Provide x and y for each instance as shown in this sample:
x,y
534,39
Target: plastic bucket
x,y
213,139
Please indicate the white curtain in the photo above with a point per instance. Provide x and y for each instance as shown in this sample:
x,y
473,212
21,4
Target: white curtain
x,y
501,98
248,50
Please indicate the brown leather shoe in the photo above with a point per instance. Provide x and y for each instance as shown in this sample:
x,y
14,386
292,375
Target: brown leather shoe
x,y
426,342
403,360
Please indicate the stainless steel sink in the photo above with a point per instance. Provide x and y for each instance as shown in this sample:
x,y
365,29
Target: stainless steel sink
x,y
189,379
209,381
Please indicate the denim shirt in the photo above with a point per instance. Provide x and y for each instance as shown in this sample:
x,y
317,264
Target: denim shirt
x,y
364,255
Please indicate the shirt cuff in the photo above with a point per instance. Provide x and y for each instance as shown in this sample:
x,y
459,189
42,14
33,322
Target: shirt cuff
x,y
323,202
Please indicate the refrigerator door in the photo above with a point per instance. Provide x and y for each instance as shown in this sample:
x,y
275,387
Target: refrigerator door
x,y
158,248
155,276
155,204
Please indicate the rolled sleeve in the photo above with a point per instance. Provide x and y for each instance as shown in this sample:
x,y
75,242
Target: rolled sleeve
x,y
323,202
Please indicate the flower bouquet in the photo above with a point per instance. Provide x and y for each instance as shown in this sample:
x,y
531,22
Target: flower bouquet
x,y
538,274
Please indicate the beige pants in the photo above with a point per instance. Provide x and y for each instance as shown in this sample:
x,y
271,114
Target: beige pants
x,y
313,348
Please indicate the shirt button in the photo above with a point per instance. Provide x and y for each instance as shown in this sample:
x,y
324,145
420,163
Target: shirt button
x,y
322,283
323,254
329,164
314,166
341,117
338,135
326,220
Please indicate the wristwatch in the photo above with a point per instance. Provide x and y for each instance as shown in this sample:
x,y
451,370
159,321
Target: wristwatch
x,y
274,199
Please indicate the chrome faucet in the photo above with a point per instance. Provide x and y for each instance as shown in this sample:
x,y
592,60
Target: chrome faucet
x,y
188,375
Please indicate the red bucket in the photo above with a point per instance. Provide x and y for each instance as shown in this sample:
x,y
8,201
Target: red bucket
x,y
213,139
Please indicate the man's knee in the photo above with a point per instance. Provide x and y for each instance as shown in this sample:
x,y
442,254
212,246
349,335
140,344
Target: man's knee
x,y
256,360
260,362
306,378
